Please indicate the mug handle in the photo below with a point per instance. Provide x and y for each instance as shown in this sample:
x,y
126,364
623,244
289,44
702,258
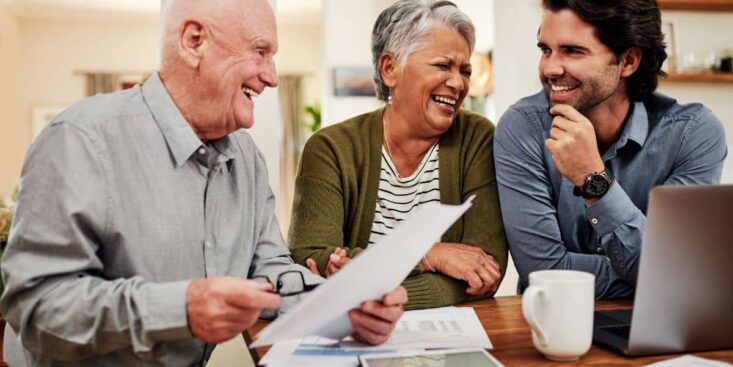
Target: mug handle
x,y
528,309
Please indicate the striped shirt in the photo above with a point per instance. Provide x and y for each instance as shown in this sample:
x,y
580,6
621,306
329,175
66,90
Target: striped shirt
x,y
398,198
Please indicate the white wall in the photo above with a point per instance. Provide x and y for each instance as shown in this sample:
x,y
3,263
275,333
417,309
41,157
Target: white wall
x,y
347,27
515,51
11,126
301,53
54,52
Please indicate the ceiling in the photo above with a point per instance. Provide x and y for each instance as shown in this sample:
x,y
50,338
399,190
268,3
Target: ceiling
x,y
126,10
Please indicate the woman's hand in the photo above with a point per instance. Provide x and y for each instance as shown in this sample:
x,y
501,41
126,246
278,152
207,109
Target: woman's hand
x,y
336,261
468,263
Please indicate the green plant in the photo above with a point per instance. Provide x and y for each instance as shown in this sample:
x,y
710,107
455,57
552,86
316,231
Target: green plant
x,y
6,218
314,112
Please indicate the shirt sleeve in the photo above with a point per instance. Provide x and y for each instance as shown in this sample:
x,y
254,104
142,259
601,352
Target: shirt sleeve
x,y
620,225
317,222
529,212
56,297
271,255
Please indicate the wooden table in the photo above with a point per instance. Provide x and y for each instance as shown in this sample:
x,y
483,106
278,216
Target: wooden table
x,y
509,333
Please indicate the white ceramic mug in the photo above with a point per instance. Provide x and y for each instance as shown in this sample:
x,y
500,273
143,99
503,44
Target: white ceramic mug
x,y
558,305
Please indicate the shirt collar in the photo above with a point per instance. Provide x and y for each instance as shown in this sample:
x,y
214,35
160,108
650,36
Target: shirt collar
x,y
178,133
225,147
637,127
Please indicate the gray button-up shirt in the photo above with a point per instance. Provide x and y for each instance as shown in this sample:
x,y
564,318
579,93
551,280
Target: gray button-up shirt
x,y
662,143
120,206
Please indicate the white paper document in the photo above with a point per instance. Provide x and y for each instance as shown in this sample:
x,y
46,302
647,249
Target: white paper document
x,y
689,361
435,328
377,270
438,328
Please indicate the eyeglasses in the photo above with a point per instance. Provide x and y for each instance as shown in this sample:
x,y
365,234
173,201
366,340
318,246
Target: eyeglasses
x,y
288,283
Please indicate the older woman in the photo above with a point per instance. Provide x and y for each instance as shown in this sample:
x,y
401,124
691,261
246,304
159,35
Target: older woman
x,y
358,179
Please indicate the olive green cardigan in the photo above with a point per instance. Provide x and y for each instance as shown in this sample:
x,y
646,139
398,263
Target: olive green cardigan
x,y
336,195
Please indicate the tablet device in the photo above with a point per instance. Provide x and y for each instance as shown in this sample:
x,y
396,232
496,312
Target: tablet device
x,y
443,358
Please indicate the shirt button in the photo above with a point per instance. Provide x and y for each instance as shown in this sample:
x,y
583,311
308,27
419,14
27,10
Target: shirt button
x,y
202,151
208,244
594,220
600,250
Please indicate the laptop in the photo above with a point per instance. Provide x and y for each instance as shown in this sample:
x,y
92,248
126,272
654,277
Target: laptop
x,y
684,293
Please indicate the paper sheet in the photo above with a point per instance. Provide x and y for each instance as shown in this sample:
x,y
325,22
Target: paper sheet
x,y
689,361
376,271
438,328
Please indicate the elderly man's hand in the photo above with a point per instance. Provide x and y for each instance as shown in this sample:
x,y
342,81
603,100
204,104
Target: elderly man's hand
x,y
219,308
374,321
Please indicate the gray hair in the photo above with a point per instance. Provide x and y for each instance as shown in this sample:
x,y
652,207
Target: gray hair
x,y
400,29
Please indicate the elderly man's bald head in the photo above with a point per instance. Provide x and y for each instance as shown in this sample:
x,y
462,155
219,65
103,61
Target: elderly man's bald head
x,y
218,14
216,56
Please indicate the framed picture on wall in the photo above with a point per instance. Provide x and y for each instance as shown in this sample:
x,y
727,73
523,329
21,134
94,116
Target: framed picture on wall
x,y
41,116
353,81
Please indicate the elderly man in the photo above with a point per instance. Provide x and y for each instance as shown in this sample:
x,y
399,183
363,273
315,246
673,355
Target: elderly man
x,y
142,213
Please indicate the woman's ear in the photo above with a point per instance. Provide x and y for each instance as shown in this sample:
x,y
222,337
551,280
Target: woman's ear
x,y
630,61
192,41
389,67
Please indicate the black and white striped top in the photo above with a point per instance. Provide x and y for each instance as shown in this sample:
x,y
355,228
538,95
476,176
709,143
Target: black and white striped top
x,y
398,198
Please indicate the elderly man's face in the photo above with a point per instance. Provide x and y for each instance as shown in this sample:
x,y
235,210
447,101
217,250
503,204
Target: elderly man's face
x,y
238,67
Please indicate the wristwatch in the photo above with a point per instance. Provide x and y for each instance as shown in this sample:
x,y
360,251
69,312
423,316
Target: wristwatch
x,y
596,185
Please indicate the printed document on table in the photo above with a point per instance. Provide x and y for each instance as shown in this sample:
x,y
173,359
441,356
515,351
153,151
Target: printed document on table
x,y
438,328
690,361
377,270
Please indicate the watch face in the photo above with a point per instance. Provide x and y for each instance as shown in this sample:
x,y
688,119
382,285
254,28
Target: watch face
x,y
596,186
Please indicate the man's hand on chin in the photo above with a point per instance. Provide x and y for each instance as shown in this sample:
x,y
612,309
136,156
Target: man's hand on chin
x,y
374,321
573,145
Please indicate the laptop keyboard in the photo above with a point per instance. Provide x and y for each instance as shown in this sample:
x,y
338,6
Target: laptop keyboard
x,y
621,330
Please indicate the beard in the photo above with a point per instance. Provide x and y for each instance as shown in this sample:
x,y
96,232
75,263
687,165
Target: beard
x,y
591,90
591,93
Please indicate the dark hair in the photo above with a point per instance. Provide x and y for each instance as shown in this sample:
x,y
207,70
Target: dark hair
x,y
621,25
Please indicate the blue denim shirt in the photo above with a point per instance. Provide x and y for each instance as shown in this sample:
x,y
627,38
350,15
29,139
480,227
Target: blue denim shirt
x,y
547,227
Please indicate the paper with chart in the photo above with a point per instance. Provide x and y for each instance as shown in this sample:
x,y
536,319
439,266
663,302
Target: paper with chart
x,y
438,328
324,311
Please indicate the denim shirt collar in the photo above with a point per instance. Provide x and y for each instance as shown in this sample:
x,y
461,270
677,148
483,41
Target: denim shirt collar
x,y
636,129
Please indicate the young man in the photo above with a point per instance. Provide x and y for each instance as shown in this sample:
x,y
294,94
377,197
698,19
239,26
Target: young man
x,y
142,213
575,162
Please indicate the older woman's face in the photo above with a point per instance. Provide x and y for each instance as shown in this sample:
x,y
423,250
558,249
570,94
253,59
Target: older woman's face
x,y
431,86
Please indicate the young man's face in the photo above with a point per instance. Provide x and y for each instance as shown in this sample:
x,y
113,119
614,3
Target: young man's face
x,y
575,67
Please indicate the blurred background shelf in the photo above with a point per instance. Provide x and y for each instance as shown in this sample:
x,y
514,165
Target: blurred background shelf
x,y
697,5
699,77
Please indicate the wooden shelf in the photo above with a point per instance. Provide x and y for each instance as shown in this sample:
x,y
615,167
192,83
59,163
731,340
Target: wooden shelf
x,y
697,5
699,77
